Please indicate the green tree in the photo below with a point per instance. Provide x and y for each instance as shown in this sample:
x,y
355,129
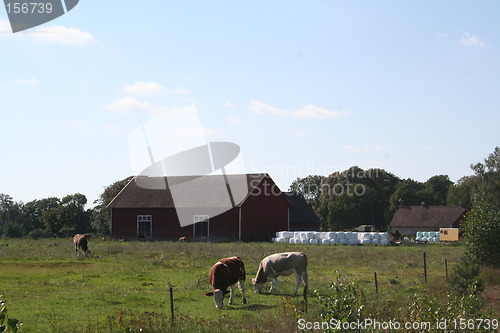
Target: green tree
x,y
486,184
309,187
481,228
100,219
69,217
460,193
11,217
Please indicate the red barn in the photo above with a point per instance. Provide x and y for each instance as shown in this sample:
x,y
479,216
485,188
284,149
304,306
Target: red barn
x,y
146,212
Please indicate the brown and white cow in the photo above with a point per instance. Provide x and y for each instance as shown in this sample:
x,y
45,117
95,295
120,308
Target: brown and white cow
x,y
282,264
225,274
80,241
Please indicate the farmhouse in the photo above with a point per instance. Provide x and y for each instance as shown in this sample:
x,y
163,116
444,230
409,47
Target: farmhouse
x,y
158,212
409,219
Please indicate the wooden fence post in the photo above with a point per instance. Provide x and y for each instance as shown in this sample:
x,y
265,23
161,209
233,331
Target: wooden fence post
x,y
172,303
376,283
446,267
425,268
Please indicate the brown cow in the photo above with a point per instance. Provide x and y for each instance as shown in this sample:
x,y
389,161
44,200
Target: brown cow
x,y
80,241
225,274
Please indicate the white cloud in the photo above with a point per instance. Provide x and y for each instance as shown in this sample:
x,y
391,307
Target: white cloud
x,y
5,27
130,105
262,108
152,88
61,35
313,112
469,39
307,112
229,105
29,82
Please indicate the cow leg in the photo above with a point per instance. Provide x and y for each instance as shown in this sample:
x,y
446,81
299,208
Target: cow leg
x,y
274,286
232,288
304,278
297,283
241,284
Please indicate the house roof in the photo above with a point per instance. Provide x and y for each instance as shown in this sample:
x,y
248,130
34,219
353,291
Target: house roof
x,y
428,217
187,191
300,211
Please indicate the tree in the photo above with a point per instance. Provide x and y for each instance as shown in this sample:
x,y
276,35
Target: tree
x,y
100,219
69,217
438,187
460,194
355,196
481,228
11,217
486,184
309,187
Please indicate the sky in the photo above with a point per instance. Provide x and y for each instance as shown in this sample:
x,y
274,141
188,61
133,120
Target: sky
x,y
302,87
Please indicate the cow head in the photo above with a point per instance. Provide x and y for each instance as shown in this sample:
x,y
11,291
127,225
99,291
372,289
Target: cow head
x,y
257,287
218,297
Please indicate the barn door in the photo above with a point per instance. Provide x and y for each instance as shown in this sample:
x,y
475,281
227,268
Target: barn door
x,y
200,228
144,227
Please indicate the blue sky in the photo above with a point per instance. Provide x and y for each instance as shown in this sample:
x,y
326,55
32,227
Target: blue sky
x,y
303,87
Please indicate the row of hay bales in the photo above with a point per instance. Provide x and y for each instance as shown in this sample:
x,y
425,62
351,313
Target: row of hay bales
x,y
332,237
427,236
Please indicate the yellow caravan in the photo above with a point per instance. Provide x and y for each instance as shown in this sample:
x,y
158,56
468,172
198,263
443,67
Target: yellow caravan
x,y
448,234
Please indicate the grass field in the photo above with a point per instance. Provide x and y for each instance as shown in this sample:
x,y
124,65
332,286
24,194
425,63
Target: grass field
x,y
125,284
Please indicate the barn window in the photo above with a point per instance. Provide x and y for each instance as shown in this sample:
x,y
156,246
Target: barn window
x,y
144,226
201,227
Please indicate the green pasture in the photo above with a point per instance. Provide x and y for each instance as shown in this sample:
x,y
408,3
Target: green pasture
x,y
122,284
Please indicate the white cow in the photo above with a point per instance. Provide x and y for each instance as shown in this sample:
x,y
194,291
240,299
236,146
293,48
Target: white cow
x,y
282,264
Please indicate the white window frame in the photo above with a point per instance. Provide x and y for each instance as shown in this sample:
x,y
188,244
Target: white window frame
x,y
145,218
201,218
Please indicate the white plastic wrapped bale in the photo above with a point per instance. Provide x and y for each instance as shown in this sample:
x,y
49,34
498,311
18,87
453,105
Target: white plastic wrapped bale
x,y
366,241
304,241
342,241
375,235
348,234
334,241
317,235
384,235
296,234
352,241
325,241
310,235
340,235
376,241
313,241
384,242
331,235
279,234
420,234
364,235
273,240
281,240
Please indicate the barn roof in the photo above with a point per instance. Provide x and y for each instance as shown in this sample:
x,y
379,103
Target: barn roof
x,y
300,211
428,216
187,191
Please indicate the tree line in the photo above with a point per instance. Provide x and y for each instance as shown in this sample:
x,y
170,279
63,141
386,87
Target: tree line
x,y
342,200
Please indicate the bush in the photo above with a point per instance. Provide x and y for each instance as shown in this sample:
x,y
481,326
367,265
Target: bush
x,y
482,231
40,233
465,277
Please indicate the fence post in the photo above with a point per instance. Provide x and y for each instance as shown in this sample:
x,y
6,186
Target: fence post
x,y
172,303
425,268
446,267
376,283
